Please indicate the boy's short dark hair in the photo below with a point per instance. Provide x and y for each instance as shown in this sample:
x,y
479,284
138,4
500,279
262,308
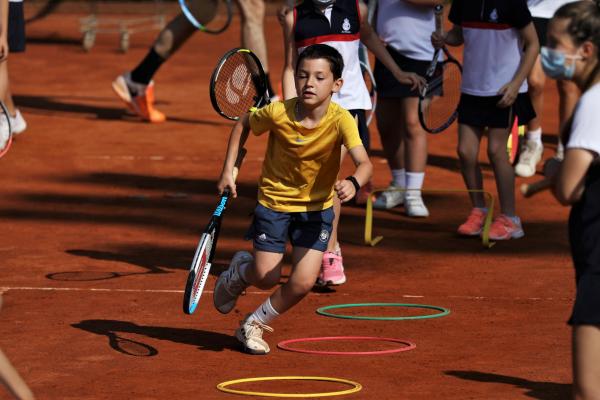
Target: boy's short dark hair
x,y
316,51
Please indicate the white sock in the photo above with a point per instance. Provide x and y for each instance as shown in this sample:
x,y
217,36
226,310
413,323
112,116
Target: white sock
x,y
535,135
265,313
414,180
399,178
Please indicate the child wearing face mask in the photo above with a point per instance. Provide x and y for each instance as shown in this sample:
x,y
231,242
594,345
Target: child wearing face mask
x,y
573,54
500,48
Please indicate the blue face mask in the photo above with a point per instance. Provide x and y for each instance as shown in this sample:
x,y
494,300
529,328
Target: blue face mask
x,y
554,63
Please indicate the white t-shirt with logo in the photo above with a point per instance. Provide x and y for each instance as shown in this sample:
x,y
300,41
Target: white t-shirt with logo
x,y
545,8
407,28
585,131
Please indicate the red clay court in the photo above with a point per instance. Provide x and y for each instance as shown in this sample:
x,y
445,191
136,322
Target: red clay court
x,y
101,214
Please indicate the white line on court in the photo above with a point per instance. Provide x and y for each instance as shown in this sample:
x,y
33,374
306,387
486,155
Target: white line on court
x,y
4,289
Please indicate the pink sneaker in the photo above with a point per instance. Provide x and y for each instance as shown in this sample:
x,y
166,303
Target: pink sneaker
x,y
332,270
504,228
474,223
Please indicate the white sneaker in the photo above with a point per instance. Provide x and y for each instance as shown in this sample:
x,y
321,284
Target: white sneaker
x,y
18,123
531,155
414,206
390,198
4,133
230,285
250,335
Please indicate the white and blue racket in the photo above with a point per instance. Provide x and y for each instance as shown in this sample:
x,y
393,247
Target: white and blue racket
x,y
207,15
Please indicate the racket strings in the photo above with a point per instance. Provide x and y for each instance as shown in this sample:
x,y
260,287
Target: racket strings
x,y
444,92
238,84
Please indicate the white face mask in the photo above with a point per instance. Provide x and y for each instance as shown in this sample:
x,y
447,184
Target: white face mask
x,y
323,3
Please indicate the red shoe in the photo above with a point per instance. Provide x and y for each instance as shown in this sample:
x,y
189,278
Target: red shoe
x,y
474,223
504,228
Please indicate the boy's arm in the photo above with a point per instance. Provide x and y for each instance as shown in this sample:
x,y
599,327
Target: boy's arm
x,y
374,44
288,84
531,44
364,169
3,29
238,137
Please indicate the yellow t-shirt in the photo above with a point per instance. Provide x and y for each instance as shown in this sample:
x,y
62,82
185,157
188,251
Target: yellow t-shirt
x,y
301,165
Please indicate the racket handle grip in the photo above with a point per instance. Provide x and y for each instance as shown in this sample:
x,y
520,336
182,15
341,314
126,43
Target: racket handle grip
x,y
529,189
439,18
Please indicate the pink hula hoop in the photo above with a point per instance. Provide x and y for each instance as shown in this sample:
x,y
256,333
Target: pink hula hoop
x,y
285,345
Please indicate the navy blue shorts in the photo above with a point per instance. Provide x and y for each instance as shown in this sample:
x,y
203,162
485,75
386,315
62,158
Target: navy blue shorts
x,y
270,229
16,27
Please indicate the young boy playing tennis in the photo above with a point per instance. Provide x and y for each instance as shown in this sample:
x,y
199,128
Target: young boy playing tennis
x,y
341,24
573,54
296,190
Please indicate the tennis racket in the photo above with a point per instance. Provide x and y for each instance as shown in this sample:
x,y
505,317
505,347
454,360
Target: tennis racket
x,y
6,132
238,84
210,11
367,73
438,101
205,251
529,189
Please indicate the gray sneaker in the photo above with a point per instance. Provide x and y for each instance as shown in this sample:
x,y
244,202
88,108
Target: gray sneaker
x,y
250,335
390,198
230,285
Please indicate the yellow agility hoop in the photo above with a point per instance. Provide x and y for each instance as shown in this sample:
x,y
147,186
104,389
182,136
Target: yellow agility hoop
x,y
485,234
356,387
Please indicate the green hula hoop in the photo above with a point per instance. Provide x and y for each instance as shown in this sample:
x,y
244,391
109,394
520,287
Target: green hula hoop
x,y
442,311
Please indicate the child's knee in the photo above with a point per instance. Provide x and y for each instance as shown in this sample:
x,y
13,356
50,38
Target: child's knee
x,y
301,287
267,280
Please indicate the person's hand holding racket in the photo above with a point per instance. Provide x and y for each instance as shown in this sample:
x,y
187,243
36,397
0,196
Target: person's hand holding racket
x,y
438,40
415,81
509,93
345,190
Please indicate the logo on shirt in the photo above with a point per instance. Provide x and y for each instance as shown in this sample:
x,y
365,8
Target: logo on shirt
x,y
324,236
238,84
494,15
262,237
346,26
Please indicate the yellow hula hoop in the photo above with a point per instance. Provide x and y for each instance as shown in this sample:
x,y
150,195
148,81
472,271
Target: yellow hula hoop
x,y
356,387
485,234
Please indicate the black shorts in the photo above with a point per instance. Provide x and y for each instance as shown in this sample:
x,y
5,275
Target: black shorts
x,y
363,129
541,27
16,27
483,112
387,85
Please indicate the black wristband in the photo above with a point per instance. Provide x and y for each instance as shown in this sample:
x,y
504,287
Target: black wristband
x,y
354,182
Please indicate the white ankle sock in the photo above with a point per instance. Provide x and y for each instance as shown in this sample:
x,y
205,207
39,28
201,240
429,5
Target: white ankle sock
x,y
535,135
414,180
265,313
399,178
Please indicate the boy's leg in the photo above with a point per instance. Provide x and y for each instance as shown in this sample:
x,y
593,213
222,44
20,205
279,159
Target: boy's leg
x,y
533,148
253,33
393,149
135,88
415,156
506,225
469,138
586,362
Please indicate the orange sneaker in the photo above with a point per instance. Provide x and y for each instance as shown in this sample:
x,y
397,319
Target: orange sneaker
x,y
139,98
504,228
474,223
